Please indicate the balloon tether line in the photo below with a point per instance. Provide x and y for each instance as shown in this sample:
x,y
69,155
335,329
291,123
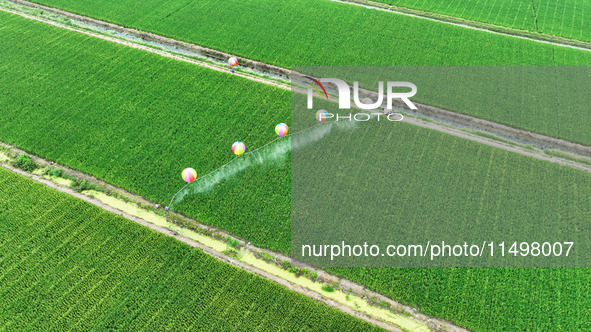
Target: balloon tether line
x,y
172,199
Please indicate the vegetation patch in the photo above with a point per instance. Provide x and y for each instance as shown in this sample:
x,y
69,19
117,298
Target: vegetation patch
x,y
25,163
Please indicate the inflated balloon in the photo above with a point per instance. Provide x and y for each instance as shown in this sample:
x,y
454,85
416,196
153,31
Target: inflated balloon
x,y
281,129
238,148
189,175
321,115
233,62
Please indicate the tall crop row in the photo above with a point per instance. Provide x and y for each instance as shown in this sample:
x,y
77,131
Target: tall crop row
x,y
511,14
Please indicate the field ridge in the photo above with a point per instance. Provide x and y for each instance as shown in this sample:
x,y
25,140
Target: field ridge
x,y
345,284
533,33
466,23
73,241
438,114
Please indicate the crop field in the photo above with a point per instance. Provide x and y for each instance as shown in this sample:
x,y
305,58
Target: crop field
x,y
306,33
66,264
507,13
559,18
438,176
135,119
379,39
568,18
490,299
156,121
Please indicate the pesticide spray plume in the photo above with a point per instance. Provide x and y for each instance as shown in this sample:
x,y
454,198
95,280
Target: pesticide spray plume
x,y
274,151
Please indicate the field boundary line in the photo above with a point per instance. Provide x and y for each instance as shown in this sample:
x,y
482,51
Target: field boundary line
x,y
152,37
514,134
148,49
516,148
473,25
181,224
221,256
434,113
446,19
